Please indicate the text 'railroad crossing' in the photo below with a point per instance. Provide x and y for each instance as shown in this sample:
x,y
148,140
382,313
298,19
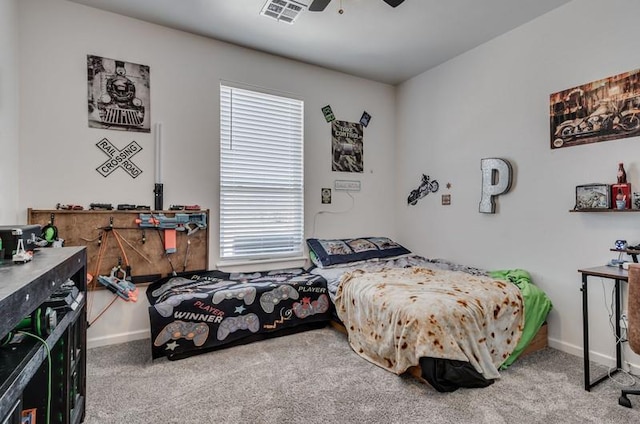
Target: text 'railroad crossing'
x,y
119,158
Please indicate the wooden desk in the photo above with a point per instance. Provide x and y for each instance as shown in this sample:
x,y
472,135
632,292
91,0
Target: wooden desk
x,y
611,273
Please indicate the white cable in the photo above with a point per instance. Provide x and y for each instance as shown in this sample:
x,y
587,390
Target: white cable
x,y
315,217
609,309
46,347
619,340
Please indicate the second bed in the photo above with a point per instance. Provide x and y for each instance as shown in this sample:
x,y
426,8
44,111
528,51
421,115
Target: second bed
x,y
448,324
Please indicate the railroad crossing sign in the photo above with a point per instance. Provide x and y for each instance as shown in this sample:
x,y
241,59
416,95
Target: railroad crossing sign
x,y
119,158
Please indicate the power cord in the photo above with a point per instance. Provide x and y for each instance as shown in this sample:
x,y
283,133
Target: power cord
x,y
619,382
315,217
611,314
619,340
46,346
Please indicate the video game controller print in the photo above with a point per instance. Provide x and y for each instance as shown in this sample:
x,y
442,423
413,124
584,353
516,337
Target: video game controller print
x,y
248,294
173,282
306,308
196,331
230,325
270,299
165,308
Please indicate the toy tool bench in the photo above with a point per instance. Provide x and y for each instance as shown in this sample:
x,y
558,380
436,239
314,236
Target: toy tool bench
x,y
143,245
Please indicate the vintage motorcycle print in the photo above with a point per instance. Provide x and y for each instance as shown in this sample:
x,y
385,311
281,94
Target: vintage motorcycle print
x,y
602,110
607,118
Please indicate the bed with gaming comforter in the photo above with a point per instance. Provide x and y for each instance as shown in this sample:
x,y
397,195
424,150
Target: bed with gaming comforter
x,y
214,309
451,325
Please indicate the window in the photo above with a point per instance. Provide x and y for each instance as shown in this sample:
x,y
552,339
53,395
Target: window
x,y
261,175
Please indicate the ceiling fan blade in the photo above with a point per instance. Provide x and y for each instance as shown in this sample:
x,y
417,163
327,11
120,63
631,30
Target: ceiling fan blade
x,y
319,5
394,3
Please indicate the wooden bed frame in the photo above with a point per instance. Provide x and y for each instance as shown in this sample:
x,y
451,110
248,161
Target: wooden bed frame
x,y
539,342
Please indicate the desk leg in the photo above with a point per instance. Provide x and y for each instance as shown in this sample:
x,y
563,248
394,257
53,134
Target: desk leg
x,y
618,330
585,333
588,384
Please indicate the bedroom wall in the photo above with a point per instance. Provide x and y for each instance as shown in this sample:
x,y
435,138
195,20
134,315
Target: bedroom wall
x,y
494,102
59,153
9,102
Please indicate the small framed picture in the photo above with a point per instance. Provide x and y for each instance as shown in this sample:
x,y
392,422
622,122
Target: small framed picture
x,y
593,196
636,200
326,195
621,191
365,118
328,113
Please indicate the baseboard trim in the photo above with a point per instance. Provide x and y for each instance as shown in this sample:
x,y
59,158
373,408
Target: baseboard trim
x,y
605,360
566,347
117,338
553,343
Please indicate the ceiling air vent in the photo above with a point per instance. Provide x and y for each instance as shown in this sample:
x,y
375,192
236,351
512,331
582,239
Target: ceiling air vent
x,y
283,10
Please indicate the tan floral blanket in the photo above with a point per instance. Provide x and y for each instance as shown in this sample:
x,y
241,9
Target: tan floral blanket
x,y
394,317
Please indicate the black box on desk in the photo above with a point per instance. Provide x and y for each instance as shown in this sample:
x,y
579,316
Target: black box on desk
x,y
9,235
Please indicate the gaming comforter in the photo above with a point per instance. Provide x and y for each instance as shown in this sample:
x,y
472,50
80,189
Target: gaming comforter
x,y
211,309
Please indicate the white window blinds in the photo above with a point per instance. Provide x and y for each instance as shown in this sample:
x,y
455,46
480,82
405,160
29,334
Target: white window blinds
x,y
261,175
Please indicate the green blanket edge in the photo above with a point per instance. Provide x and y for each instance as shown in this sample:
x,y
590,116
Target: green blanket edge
x,y
536,308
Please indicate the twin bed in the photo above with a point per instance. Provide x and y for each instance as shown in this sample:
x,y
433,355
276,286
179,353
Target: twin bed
x,y
447,324
213,309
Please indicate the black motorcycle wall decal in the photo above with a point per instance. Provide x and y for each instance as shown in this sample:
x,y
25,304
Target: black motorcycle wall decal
x,y
426,186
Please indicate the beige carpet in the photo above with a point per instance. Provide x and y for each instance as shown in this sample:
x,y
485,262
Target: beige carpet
x,y
314,377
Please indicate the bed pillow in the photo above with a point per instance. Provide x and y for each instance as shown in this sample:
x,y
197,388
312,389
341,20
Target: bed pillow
x,y
326,252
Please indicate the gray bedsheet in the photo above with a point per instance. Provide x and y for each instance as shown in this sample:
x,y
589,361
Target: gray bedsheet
x,y
334,273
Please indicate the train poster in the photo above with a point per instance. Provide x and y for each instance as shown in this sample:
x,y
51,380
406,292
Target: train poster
x,y
118,95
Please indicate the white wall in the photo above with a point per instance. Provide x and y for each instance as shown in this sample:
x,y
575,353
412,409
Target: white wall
x,y
490,102
59,156
9,103
494,102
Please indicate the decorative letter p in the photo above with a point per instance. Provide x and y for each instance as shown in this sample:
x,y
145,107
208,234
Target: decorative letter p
x,y
496,180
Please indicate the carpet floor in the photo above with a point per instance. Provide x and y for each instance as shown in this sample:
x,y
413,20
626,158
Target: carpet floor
x,y
315,377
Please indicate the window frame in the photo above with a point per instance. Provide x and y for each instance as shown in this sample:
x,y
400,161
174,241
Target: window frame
x,y
233,182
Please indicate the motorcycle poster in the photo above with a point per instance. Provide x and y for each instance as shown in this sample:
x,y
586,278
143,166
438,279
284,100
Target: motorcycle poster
x,y
603,110
347,146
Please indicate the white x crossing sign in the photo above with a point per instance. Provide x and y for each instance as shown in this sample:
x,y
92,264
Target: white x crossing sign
x,y
119,158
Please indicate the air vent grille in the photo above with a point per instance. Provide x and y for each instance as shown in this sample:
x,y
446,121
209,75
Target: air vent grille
x,y
283,10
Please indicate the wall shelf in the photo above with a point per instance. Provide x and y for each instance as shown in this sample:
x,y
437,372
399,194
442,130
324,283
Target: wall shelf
x,y
631,252
605,210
